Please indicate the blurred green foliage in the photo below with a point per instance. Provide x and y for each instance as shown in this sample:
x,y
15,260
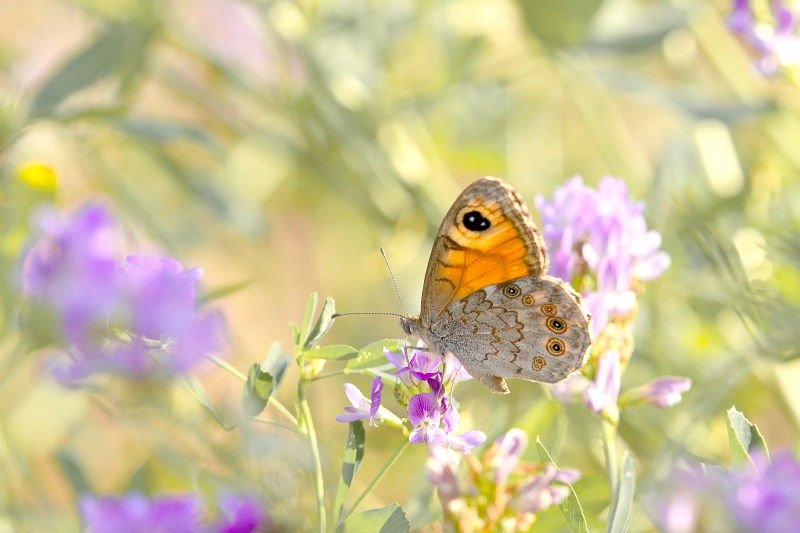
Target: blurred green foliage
x,y
285,142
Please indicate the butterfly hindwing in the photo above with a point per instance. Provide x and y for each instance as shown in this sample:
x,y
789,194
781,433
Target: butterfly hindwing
x,y
532,328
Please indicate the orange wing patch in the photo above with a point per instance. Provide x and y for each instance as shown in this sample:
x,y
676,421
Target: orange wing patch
x,y
486,238
477,259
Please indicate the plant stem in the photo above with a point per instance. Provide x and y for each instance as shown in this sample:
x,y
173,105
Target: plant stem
x,y
610,449
307,427
226,366
271,423
331,374
400,449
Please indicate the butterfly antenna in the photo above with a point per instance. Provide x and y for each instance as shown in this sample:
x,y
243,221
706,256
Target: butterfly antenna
x,y
397,290
337,315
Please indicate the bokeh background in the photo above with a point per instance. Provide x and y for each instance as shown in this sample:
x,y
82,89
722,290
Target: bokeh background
x,y
282,143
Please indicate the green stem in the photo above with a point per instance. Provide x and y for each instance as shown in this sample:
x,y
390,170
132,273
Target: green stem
x,y
331,374
226,366
271,423
392,460
235,372
610,449
307,427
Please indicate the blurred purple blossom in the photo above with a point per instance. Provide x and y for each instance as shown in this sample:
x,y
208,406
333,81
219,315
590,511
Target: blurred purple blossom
x,y
135,513
363,409
766,496
441,473
602,394
665,391
73,270
240,514
504,455
539,492
772,38
604,232
570,391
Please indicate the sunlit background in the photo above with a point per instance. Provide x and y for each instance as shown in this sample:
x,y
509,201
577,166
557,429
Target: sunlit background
x,y
278,145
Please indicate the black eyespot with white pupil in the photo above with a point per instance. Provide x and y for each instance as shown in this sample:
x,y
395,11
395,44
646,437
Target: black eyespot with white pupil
x,y
511,291
556,325
474,221
555,347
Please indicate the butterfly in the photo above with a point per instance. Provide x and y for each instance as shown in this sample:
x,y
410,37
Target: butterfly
x,y
487,299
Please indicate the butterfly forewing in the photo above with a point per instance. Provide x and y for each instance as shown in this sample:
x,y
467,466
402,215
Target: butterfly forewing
x,y
486,238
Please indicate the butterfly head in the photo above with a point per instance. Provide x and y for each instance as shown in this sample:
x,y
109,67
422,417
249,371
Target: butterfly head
x,y
410,325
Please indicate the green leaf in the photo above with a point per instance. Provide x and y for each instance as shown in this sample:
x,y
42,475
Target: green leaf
x,y
335,352
322,325
200,394
353,454
311,308
263,379
743,437
372,355
571,507
560,23
118,51
620,513
221,292
295,333
389,519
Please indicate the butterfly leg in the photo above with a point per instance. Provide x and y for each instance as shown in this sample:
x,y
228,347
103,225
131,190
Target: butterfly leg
x,y
493,383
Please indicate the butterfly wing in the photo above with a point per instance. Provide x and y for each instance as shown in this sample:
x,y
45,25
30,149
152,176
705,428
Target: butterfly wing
x,y
486,238
532,328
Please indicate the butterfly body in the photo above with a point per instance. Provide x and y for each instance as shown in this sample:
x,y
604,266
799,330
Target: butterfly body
x,y
487,301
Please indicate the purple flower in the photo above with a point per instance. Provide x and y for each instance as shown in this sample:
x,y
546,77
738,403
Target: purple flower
x,y
766,497
538,492
774,40
463,442
363,409
504,455
72,268
441,472
423,366
134,513
603,233
665,391
116,319
424,413
402,365
601,395
454,372
570,391
239,515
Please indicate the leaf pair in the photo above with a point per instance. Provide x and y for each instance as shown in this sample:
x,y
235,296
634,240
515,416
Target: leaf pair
x,y
263,380
308,335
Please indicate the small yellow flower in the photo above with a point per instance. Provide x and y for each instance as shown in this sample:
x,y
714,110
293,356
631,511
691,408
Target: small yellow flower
x,y
38,176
